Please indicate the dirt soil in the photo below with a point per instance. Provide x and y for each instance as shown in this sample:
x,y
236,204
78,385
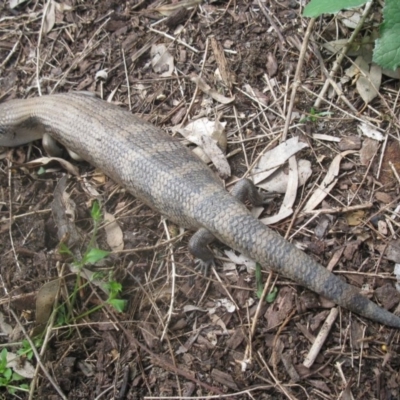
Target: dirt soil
x,y
183,334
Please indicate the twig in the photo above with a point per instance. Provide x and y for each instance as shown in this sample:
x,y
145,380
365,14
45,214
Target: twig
x,y
320,339
296,80
174,39
173,273
339,60
37,356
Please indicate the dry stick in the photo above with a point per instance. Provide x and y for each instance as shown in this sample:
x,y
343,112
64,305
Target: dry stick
x,y
339,60
383,150
49,330
88,48
128,86
196,90
278,384
167,365
38,46
320,339
340,210
263,388
11,217
174,39
337,89
264,9
37,356
10,54
296,80
171,305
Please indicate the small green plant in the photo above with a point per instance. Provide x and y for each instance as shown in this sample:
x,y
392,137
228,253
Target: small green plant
x,y
26,349
271,296
9,378
386,51
314,116
91,256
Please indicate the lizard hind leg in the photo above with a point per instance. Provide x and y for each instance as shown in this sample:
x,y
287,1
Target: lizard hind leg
x,y
246,190
198,244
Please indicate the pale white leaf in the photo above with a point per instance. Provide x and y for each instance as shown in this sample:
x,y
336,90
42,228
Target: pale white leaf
x,y
368,85
20,366
271,160
102,75
350,18
370,131
162,60
46,160
279,181
15,3
290,195
326,138
50,18
4,326
114,234
328,182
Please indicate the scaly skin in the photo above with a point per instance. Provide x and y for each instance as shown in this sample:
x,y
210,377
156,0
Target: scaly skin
x,y
168,177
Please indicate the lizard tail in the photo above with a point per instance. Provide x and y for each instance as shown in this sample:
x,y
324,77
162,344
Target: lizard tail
x,y
248,235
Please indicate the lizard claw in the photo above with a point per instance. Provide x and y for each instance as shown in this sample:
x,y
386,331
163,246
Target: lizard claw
x,y
203,266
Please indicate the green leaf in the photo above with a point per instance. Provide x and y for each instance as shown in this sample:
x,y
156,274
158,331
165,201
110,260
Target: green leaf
x,y
17,377
118,304
317,7
94,255
41,171
387,48
64,250
8,373
3,360
96,212
271,296
114,288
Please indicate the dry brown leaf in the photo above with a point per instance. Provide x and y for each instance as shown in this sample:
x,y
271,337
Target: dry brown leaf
x,y
170,8
368,150
355,218
223,67
44,304
204,87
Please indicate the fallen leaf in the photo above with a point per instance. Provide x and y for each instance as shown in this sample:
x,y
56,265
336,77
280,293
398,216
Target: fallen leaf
x,y
162,60
370,131
45,300
328,182
270,161
204,87
50,18
114,234
290,195
46,160
170,8
279,181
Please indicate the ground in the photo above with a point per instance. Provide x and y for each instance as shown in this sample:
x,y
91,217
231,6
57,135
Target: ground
x,y
183,333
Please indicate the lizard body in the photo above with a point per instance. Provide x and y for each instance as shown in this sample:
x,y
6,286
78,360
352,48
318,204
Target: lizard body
x,y
168,177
